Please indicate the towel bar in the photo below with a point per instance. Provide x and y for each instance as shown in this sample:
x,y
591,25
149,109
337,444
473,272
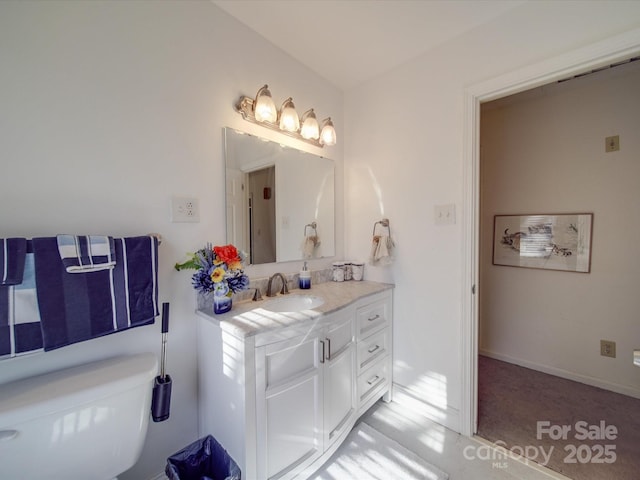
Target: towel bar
x,y
157,235
385,224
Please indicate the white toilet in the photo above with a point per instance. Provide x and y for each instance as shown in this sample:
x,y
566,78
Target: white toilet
x,y
86,422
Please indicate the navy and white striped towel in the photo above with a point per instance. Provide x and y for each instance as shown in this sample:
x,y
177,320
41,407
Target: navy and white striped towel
x,y
12,255
20,331
75,308
86,253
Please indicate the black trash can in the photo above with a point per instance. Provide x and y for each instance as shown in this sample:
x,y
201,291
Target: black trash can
x,y
204,459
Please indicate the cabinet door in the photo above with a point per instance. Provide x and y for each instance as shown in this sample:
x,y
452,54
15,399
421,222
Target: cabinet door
x,y
339,376
289,394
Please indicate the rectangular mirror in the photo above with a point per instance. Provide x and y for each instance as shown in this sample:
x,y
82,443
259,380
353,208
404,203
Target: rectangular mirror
x,y
278,199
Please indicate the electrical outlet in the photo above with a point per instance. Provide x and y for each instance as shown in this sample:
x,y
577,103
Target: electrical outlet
x,y
184,209
608,348
612,144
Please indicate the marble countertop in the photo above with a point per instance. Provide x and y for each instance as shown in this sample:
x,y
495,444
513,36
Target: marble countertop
x,y
248,318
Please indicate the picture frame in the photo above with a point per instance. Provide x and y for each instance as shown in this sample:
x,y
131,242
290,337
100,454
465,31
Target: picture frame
x,y
544,241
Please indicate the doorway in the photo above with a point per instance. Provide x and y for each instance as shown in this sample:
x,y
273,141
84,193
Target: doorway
x,y
544,150
604,53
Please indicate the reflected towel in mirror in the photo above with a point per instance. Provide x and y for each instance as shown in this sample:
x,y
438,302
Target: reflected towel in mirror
x,y
309,245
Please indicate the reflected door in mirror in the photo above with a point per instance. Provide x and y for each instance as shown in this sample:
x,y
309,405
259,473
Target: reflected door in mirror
x,y
262,216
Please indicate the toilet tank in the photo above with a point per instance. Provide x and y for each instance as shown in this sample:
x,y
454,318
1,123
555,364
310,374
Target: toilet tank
x,y
85,422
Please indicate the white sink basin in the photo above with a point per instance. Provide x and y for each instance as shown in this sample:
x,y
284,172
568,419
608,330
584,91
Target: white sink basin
x,y
293,303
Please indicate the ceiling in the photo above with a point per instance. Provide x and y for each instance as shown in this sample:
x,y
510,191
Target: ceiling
x,y
351,41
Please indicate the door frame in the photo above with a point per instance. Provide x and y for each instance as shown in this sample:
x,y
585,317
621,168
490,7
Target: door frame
x,y
603,53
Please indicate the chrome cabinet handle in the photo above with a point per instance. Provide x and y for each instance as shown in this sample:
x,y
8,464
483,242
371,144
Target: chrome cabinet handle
x,y
371,350
328,348
373,380
322,356
375,317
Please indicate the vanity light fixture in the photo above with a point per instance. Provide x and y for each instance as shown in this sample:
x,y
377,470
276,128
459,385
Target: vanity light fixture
x,y
262,111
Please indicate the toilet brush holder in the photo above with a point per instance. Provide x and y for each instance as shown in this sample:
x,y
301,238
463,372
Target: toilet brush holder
x,y
161,398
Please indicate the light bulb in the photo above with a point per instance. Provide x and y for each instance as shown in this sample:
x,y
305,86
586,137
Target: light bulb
x,y
289,120
310,128
328,134
264,108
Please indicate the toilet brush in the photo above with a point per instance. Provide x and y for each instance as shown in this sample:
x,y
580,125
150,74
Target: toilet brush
x,y
161,399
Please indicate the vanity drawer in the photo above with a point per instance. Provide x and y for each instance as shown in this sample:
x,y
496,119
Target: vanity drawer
x,y
373,316
372,382
371,348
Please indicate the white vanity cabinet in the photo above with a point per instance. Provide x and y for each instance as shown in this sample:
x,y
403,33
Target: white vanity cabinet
x,y
305,395
281,400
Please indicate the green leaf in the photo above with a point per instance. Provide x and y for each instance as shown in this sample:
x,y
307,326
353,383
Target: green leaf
x,y
188,265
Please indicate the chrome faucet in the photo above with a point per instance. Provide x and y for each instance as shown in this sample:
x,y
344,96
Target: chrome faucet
x,y
284,289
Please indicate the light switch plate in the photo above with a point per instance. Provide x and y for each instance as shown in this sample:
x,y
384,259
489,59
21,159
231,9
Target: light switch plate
x,y
445,214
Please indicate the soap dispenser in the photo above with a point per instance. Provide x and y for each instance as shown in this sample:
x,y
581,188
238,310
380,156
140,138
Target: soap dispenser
x,y
305,277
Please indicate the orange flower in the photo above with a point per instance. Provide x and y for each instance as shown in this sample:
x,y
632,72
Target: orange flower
x,y
227,254
235,264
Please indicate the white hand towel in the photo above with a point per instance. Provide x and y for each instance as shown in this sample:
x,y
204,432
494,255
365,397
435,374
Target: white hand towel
x,y
381,250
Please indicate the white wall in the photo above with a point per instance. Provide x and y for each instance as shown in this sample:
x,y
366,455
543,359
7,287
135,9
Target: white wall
x,y
109,108
543,151
404,155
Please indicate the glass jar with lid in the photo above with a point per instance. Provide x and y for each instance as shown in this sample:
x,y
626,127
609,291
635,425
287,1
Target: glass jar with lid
x,y
337,272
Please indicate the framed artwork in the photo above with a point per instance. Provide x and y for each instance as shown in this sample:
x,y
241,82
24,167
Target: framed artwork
x,y
547,241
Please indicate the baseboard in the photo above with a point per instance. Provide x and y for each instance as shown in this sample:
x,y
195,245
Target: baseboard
x,y
558,372
448,417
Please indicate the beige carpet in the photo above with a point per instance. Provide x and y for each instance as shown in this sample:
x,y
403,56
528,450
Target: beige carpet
x,y
512,400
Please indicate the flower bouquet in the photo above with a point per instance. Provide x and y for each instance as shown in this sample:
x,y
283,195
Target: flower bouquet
x,y
218,271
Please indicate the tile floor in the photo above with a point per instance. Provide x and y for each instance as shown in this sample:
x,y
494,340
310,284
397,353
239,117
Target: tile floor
x,y
461,457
